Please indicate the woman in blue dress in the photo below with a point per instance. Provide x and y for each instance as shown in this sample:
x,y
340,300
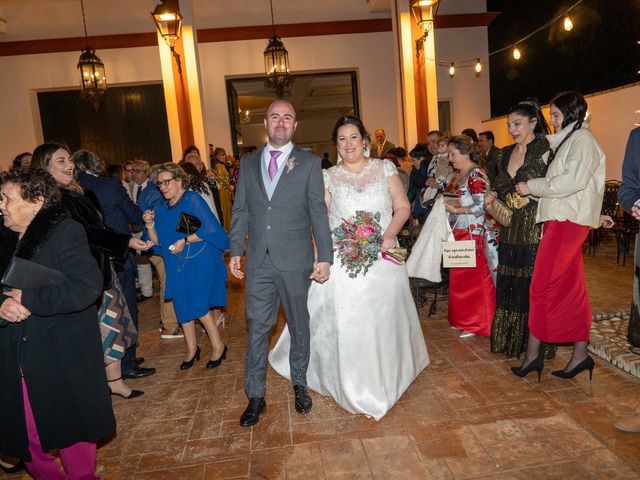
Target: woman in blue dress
x,y
196,273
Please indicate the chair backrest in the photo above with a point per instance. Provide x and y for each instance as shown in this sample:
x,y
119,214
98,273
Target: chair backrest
x,y
610,203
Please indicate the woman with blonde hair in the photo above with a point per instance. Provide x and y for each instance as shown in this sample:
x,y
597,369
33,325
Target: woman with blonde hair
x,y
192,242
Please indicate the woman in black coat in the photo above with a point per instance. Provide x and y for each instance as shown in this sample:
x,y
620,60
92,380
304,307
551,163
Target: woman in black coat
x,y
54,391
109,247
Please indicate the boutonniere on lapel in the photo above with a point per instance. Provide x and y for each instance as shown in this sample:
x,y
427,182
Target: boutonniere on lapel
x,y
291,163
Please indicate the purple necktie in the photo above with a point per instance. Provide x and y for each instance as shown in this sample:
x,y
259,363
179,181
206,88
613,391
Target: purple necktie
x,y
273,164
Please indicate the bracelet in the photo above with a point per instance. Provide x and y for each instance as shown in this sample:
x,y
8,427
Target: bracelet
x,y
186,240
150,225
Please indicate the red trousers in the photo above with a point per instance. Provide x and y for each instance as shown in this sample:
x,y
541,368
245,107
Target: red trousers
x,y
559,308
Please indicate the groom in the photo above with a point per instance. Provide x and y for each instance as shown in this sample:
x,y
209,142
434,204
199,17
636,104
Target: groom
x,y
279,204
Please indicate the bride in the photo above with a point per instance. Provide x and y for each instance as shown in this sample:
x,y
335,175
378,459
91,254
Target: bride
x,y
366,342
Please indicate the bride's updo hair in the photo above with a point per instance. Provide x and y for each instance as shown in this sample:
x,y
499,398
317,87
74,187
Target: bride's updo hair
x,y
465,146
350,120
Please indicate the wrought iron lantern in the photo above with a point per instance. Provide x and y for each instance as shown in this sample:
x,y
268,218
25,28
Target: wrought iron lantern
x,y
168,21
276,63
93,81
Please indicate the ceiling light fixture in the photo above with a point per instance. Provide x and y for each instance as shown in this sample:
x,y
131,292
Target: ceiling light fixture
x,y
276,62
93,82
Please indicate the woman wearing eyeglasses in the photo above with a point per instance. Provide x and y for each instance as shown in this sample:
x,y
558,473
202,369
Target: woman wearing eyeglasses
x,y
196,273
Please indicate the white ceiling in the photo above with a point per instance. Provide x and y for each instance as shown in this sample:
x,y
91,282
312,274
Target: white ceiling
x,y
37,19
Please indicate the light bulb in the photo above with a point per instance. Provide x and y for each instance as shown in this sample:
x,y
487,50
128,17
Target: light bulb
x,y
478,68
425,3
568,24
167,17
516,54
452,70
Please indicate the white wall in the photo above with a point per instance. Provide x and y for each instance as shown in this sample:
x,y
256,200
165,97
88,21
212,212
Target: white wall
x,y
469,94
371,54
612,118
23,75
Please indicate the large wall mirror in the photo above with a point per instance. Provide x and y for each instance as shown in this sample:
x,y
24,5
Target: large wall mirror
x,y
320,98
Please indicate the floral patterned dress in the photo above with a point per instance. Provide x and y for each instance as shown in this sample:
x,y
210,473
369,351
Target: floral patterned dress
x,y
220,175
472,293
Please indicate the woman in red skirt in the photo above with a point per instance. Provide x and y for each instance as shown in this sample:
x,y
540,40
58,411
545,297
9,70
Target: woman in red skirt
x,y
570,203
472,293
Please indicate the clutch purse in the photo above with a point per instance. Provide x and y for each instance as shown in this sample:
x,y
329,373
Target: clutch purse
x,y
24,274
499,211
188,224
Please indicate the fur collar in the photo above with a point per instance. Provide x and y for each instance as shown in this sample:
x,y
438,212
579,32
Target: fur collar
x,y
39,231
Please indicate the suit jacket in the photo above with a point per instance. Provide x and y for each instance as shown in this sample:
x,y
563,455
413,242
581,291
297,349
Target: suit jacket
x,y
629,192
117,207
385,148
118,210
283,224
150,197
493,159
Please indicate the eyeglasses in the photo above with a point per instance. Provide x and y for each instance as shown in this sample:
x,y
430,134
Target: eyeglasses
x,y
164,183
138,170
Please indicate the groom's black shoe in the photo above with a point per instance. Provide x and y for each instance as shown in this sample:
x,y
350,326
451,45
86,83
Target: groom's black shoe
x,y
303,400
251,415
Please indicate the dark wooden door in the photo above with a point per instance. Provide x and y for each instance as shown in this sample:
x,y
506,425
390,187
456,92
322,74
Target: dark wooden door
x,y
130,123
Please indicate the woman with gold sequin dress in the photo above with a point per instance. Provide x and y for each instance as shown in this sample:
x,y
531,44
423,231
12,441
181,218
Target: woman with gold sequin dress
x,y
524,160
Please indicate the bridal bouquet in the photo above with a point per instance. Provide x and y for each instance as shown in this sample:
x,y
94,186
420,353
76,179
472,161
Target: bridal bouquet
x,y
358,242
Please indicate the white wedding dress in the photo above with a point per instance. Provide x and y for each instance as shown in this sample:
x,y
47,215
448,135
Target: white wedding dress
x,y
366,342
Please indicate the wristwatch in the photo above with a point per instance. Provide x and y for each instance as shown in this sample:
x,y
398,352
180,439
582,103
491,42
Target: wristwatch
x,y
186,240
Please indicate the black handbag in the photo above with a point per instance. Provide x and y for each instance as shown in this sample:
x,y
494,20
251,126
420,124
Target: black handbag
x,y
188,224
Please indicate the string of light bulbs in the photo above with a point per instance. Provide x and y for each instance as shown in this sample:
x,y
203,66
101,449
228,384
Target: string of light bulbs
x,y
476,63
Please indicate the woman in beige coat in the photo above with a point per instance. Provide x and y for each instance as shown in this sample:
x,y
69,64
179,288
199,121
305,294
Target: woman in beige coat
x,y
570,202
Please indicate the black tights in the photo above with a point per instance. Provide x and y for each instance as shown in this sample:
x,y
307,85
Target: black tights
x,y
533,350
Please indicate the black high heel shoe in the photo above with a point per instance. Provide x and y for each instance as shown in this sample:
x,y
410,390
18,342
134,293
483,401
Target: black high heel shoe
x,y
133,394
216,363
535,365
587,363
189,364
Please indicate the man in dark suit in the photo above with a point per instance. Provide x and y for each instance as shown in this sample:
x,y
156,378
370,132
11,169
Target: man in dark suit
x,y
629,197
118,211
279,203
491,153
382,145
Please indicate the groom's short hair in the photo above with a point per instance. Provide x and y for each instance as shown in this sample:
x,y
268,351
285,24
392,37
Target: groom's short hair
x,y
266,113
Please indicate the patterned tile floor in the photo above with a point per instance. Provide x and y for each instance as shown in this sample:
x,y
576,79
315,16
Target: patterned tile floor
x,y
466,416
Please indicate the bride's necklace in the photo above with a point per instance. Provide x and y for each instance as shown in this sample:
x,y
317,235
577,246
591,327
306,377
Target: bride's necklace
x,y
357,167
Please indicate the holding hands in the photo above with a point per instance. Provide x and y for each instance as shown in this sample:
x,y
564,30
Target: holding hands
x,y
148,216
321,271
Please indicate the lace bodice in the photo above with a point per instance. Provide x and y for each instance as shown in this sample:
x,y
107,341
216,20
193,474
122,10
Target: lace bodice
x,y
366,190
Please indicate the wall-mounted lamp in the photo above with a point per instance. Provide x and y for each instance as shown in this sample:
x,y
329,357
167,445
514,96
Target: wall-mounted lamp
x,y
168,21
424,12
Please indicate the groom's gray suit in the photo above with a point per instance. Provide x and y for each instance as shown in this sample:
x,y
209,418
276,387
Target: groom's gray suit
x,y
275,219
